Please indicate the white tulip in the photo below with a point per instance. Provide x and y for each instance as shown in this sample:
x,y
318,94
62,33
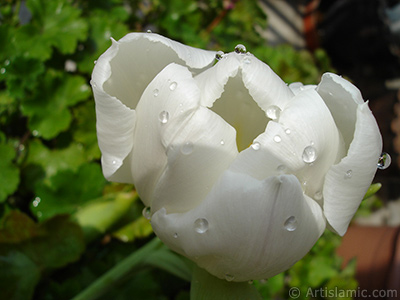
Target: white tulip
x,y
242,172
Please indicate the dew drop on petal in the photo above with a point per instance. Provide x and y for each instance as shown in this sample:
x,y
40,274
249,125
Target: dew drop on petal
x,y
240,49
146,212
277,139
149,31
288,131
348,174
163,117
281,168
201,225
156,92
229,277
219,55
309,154
384,161
290,224
173,86
222,142
273,112
247,61
187,148
256,146
330,94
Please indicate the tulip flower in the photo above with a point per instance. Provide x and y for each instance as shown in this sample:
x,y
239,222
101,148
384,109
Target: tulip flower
x,y
238,171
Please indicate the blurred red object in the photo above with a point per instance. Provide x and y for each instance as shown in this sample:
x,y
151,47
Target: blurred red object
x,y
377,251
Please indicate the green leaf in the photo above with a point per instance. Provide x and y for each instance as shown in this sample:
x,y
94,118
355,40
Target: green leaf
x,y
140,228
21,75
28,249
103,26
59,238
56,23
84,129
207,287
48,110
66,191
9,175
372,190
18,276
56,160
98,216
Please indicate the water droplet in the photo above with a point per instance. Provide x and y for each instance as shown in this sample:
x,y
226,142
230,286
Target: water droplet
x,y
288,131
256,146
187,148
222,142
247,61
163,117
175,235
6,62
273,112
240,49
149,31
281,168
330,94
309,154
290,224
173,86
201,225
277,139
35,133
301,88
95,62
36,202
2,70
146,212
219,55
318,195
114,162
384,161
156,92
229,277
348,174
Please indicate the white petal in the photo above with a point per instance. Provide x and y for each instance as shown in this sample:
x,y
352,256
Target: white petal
x,y
297,87
119,78
224,90
204,147
141,56
347,182
304,122
342,99
246,234
264,85
166,106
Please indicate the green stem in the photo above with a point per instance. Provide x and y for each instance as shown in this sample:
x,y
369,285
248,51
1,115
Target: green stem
x,y
207,287
108,280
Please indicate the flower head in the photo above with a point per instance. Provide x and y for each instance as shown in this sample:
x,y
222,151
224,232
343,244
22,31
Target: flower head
x,y
242,172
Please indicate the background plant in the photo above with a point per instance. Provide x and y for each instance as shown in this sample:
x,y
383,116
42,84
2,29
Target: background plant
x,y
62,225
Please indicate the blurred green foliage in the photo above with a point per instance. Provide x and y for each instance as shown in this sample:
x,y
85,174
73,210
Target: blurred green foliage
x,y
62,226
